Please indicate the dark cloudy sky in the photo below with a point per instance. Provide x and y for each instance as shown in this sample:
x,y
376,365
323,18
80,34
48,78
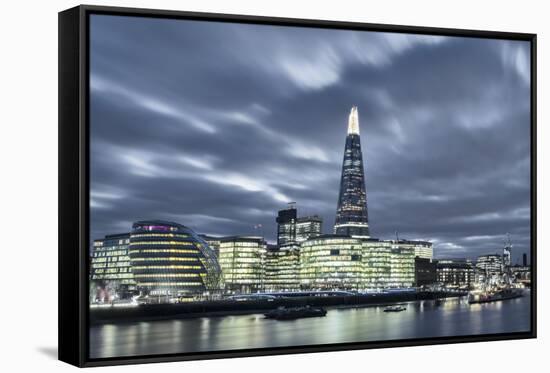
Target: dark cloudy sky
x,y
217,125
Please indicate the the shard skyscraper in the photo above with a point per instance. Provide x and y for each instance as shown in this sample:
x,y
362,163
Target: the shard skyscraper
x,y
351,214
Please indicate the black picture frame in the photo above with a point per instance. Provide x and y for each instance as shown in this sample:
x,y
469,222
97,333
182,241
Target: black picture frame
x,y
74,183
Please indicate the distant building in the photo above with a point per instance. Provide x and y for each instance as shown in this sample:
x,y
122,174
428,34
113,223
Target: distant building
x,y
331,262
425,271
292,229
351,213
286,226
507,256
170,259
110,270
522,274
524,257
456,273
282,268
308,227
492,264
423,249
242,261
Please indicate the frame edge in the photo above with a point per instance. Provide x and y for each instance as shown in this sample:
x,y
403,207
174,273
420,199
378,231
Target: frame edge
x,y
70,348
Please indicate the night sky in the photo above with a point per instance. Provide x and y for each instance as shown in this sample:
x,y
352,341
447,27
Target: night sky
x,y
217,126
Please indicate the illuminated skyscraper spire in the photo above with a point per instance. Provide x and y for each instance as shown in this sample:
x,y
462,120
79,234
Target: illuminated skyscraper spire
x,y
351,213
353,121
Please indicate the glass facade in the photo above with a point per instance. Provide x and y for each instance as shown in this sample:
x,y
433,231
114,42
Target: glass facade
x,y
282,269
308,227
331,262
376,264
489,268
170,259
213,242
286,226
401,264
423,249
242,262
351,213
110,270
492,264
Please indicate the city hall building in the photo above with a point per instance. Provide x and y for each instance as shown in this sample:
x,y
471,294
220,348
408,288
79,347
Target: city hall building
x,y
170,259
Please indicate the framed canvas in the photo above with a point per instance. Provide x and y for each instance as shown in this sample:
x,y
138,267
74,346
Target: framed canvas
x,y
235,186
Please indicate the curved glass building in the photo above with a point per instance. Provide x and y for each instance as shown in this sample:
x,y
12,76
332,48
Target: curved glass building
x,y
170,259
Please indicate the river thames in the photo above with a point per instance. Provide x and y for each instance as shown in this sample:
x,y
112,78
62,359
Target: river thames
x,y
453,317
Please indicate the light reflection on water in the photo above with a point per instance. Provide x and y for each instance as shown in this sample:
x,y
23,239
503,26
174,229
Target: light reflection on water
x,y
421,319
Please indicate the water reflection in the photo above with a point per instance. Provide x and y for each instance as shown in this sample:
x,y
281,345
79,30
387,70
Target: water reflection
x,y
421,319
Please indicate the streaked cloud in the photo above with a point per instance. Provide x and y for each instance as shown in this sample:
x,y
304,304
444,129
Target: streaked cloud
x,y
218,125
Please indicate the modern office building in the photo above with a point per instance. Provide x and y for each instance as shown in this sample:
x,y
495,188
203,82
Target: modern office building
x,y
423,249
455,273
524,259
242,262
292,230
308,227
491,264
376,263
331,262
402,256
425,271
521,274
490,268
351,213
282,268
286,226
111,274
169,259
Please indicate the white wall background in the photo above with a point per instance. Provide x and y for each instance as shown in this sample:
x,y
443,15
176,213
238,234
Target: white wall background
x,y
28,187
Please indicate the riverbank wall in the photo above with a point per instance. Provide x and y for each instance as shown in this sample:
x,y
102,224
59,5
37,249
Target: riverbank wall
x,y
238,307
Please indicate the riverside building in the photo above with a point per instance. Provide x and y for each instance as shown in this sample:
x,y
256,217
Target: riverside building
x,y
111,273
242,262
282,268
402,256
425,271
331,262
455,273
376,263
169,259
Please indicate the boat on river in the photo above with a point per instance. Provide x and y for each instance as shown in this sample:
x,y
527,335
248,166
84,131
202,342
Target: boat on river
x,y
503,285
291,313
396,308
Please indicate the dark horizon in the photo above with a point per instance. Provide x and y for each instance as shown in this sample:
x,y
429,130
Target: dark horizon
x,y
217,125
